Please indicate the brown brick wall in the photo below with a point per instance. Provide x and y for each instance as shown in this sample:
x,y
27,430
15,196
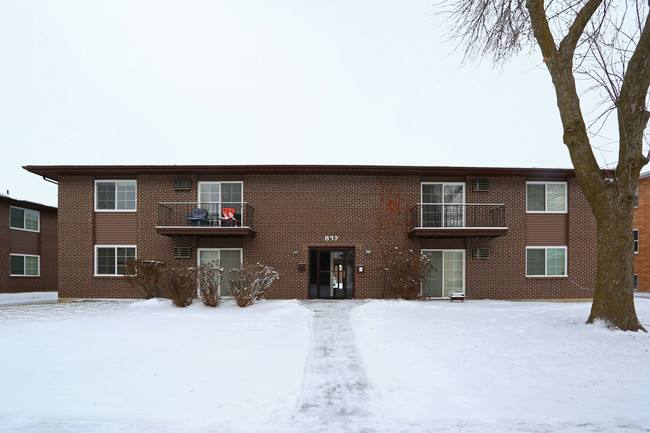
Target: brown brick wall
x,y
642,222
297,212
43,244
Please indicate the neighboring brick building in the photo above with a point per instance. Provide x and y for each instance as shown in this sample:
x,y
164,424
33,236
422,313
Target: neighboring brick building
x,y
641,232
29,246
495,233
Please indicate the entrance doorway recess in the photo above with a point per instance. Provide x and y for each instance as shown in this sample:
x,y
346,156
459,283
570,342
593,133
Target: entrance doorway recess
x,y
331,273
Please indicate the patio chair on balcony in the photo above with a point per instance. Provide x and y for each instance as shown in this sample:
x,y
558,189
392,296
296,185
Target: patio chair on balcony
x,y
228,219
197,217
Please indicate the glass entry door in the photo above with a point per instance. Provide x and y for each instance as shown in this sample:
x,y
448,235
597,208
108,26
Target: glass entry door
x,y
449,274
331,274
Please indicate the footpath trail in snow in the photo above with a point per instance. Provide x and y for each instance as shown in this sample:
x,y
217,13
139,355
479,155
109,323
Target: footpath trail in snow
x,y
335,387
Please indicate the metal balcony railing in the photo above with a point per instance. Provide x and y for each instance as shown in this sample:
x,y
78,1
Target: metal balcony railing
x,y
194,214
457,215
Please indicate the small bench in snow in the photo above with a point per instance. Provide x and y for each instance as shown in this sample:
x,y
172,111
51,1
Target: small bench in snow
x,y
457,297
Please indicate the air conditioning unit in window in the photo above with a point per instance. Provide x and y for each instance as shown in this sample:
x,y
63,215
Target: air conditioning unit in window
x,y
182,184
481,185
480,253
182,252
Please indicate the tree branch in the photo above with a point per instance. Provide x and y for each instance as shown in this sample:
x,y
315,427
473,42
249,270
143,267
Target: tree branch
x,y
570,41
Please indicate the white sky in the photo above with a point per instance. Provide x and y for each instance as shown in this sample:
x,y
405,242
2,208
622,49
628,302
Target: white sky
x,y
257,82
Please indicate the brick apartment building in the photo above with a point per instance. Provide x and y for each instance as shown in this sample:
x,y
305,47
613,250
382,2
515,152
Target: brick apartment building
x,y
641,230
29,246
500,233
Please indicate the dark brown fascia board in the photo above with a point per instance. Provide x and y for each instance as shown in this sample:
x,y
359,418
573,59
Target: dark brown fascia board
x,y
26,203
55,171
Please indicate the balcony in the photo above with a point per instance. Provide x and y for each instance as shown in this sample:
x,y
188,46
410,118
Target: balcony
x,y
206,219
457,220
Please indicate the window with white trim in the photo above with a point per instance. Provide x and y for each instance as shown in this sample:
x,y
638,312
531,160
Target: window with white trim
x,y
24,265
448,275
635,233
24,219
548,197
111,259
443,204
227,258
115,195
546,261
635,282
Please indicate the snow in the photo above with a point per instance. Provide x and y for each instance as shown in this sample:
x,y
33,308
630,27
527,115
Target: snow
x,y
320,366
28,298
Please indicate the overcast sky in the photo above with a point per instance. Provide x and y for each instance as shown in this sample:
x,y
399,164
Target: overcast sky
x,y
258,82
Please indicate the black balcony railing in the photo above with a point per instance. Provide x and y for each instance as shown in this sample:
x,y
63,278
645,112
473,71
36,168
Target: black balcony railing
x,y
193,214
461,215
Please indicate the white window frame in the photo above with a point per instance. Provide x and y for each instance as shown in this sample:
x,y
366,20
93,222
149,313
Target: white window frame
x,y
198,258
636,240
134,181
463,203
38,213
429,250
545,183
115,247
25,255
546,248
220,182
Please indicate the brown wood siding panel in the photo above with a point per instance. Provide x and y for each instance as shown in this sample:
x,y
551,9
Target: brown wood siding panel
x,y
546,229
24,242
116,228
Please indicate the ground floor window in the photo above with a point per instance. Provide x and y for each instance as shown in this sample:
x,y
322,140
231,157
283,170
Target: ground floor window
x,y
227,258
111,260
546,261
448,275
635,282
23,265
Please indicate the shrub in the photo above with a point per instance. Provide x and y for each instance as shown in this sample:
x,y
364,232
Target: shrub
x,y
179,285
209,281
145,275
406,271
249,283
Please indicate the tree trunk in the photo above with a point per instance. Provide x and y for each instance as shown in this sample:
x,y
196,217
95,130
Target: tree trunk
x,y
613,302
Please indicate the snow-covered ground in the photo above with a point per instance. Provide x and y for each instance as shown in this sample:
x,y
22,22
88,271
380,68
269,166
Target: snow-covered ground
x,y
28,298
342,366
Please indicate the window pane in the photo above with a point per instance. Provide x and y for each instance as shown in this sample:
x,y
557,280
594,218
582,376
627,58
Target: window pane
x,y
231,192
431,215
556,197
230,259
17,218
535,196
433,285
555,261
124,254
453,272
431,193
454,193
17,265
31,265
106,261
535,259
209,192
31,220
105,195
125,195
208,256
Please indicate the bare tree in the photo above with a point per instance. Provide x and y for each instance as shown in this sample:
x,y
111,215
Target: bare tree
x,y
606,42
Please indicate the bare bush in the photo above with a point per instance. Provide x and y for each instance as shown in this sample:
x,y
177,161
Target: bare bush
x,y
179,285
209,281
249,283
145,276
406,271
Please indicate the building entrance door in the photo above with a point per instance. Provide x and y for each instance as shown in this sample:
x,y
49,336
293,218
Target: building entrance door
x,y
331,273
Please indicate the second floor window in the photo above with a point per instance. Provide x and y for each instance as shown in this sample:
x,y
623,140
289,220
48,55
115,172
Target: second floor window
x,y
546,197
443,204
24,219
635,232
118,195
